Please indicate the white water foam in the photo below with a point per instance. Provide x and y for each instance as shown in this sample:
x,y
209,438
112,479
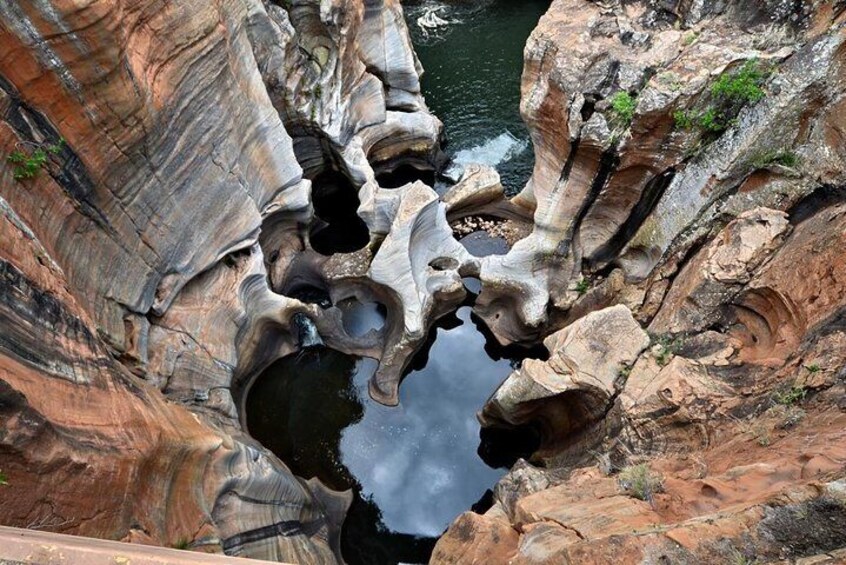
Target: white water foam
x,y
431,22
492,152
434,20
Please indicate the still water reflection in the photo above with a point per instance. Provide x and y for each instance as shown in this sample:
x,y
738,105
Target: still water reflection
x,y
414,467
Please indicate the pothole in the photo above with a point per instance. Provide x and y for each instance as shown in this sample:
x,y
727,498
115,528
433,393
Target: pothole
x,y
338,228
404,175
360,318
414,468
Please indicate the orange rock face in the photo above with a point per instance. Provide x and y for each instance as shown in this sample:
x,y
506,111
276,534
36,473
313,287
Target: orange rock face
x,y
725,241
134,291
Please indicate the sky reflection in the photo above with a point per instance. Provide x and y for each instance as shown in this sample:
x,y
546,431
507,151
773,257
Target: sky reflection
x,y
415,466
418,461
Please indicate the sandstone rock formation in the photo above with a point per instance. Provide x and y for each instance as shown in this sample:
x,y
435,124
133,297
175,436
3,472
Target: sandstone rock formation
x,y
635,185
132,264
689,182
724,240
566,396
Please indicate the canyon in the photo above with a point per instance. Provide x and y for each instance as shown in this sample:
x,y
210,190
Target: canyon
x,y
196,197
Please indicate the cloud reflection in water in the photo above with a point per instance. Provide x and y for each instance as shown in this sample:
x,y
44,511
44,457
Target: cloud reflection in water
x,y
418,461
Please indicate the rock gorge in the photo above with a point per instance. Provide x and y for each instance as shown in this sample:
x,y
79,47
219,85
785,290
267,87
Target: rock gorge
x,y
677,250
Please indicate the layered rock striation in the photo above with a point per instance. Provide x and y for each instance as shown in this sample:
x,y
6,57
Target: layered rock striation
x,y
689,173
677,250
653,126
137,302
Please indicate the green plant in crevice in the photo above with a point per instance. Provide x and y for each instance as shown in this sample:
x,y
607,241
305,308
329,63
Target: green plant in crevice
x,y
582,286
683,119
181,543
711,121
738,558
813,368
640,482
28,165
783,157
790,396
4,480
623,107
729,94
670,80
742,86
690,38
665,348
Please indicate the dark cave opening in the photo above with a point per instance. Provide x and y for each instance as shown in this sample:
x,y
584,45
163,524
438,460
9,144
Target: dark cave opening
x,y
338,228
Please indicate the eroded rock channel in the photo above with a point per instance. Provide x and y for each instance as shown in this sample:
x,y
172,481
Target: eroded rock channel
x,y
412,468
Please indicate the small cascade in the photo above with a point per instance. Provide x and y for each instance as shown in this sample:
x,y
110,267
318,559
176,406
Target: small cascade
x,y
307,331
432,22
473,54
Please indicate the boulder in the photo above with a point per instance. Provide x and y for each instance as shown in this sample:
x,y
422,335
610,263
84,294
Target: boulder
x,y
566,396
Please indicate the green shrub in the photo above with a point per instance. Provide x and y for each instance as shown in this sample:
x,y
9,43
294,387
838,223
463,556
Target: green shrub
x,y
181,543
689,38
4,480
666,348
582,286
729,94
683,119
623,106
783,157
813,368
738,558
742,85
711,121
789,396
29,165
640,482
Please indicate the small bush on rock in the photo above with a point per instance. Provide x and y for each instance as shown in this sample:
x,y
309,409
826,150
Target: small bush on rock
x,y
783,157
790,396
730,93
29,165
742,86
640,482
623,106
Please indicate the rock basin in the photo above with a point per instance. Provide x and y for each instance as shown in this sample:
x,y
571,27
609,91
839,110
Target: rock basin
x,y
414,468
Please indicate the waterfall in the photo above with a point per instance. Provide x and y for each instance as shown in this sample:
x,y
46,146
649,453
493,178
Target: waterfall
x,y
307,331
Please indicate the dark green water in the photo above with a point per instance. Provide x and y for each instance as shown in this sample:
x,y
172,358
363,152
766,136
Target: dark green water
x,y
472,82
